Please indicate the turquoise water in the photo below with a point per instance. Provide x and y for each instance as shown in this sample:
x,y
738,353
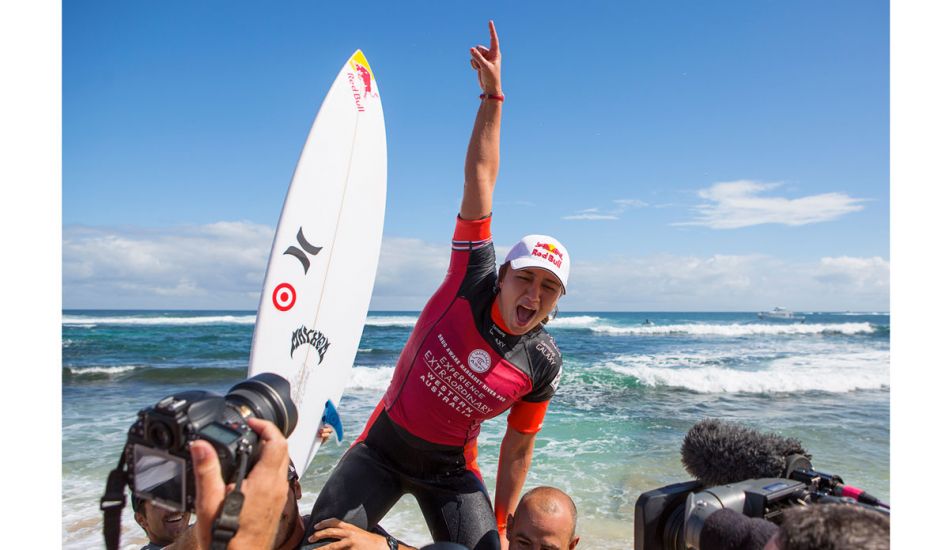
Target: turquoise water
x,y
629,393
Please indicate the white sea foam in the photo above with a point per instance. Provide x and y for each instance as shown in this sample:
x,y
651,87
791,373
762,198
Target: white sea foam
x,y
735,330
83,321
79,371
370,378
391,321
829,372
577,321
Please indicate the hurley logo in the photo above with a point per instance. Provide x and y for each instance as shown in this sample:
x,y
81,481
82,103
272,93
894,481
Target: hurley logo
x,y
299,254
312,337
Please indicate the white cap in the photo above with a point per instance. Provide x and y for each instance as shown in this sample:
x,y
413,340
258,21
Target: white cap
x,y
544,252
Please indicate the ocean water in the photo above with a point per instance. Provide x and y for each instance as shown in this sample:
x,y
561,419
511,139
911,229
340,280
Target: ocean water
x,y
629,393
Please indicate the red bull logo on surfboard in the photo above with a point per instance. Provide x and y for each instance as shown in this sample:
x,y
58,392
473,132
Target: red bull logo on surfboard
x,y
549,252
360,80
366,79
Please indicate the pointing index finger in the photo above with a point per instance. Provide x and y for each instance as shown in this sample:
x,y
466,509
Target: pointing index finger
x,y
495,43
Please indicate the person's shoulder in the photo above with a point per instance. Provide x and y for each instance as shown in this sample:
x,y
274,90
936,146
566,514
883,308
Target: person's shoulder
x,y
546,365
545,357
541,341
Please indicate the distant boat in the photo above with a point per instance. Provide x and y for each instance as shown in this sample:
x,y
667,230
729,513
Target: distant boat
x,y
780,314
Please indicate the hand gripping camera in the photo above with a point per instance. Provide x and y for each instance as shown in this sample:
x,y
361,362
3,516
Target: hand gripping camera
x,y
156,452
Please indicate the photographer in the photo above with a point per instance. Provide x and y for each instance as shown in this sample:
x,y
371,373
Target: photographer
x,y
162,527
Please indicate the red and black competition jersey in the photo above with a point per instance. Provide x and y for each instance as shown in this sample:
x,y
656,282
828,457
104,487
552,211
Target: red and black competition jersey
x,y
460,366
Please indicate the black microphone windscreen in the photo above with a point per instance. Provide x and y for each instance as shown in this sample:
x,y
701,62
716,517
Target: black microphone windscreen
x,y
718,452
729,530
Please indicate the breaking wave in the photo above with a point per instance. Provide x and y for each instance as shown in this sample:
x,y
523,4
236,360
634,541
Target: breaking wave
x,y
391,321
824,372
735,330
88,322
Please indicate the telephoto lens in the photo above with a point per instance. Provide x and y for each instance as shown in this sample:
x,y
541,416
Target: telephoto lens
x,y
268,396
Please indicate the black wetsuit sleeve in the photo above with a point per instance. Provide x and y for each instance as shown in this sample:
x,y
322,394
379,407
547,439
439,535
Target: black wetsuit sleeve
x,y
546,367
480,275
473,251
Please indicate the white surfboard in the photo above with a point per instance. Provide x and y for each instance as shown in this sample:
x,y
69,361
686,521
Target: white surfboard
x,y
324,257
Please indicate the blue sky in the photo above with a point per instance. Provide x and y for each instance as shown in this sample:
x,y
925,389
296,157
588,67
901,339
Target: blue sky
x,y
691,156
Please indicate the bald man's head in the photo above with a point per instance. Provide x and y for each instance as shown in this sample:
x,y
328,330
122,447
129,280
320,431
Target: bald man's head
x,y
545,519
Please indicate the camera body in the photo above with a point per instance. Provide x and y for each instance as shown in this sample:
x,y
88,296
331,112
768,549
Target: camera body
x,y
157,446
672,517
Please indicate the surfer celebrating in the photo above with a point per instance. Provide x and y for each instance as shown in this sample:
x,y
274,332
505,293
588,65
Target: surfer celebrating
x,y
478,349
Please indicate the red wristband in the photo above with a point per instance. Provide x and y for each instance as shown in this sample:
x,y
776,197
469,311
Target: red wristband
x,y
499,97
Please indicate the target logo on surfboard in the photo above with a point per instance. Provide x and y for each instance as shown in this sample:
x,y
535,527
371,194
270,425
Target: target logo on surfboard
x,y
284,296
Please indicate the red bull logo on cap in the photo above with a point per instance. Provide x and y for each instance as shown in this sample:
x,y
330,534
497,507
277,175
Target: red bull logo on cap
x,y
548,252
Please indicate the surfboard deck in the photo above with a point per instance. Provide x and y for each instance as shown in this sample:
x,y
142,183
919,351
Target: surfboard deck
x,y
325,253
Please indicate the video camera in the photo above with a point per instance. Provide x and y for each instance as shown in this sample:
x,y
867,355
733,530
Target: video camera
x,y
758,476
156,463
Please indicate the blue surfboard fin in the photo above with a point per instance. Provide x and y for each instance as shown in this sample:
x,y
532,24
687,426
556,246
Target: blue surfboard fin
x,y
331,417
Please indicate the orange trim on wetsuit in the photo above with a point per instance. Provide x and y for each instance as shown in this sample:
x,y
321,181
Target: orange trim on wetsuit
x,y
527,417
496,316
473,230
471,458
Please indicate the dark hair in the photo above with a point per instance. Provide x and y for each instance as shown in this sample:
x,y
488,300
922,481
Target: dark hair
x,y
497,288
138,504
834,527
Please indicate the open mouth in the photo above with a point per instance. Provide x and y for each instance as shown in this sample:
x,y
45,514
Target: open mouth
x,y
173,518
524,314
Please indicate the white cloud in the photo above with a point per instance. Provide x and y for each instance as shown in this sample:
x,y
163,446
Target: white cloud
x,y
409,272
631,203
736,204
855,274
215,266
613,214
591,216
728,283
221,266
